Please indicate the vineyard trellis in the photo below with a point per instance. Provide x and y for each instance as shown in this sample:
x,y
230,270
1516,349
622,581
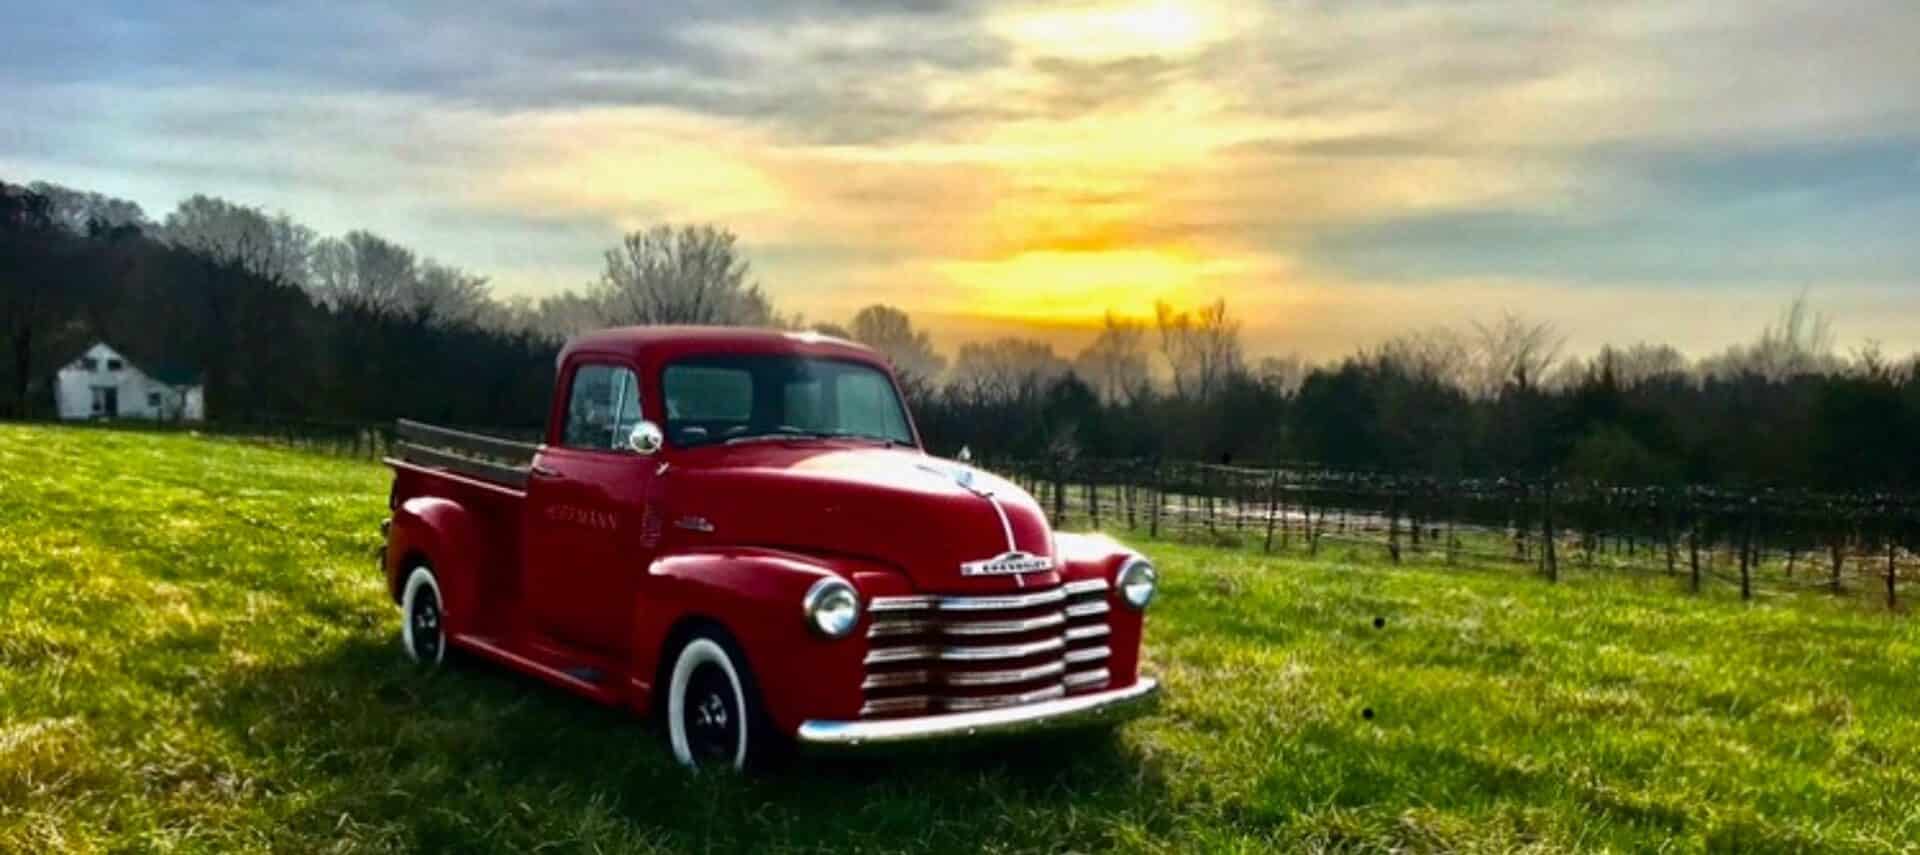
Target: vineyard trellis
x,y
1843,543
1798,538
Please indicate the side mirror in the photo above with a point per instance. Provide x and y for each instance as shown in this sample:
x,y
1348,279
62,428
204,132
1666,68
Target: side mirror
x,y
965,455
646,438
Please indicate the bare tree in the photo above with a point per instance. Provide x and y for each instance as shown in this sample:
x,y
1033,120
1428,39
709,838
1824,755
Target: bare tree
x,y
556,318
1115,364
1202,348
274,248
1283,374
1004,370
686,275
889,331
1439,354
1512,351
81,211
1800,342
450,295
1640,363
364,269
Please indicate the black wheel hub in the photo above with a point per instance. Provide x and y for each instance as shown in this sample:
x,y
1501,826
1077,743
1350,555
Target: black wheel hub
x,y
710,716
426,625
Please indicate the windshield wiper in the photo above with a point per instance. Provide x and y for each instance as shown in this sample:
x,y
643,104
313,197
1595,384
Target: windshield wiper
x,y
849,434
786,432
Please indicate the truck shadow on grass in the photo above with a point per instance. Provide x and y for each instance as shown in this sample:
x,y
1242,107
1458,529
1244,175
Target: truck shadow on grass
x,y
355,742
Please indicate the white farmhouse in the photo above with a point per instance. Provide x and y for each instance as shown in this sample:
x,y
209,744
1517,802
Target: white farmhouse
x,y
102,384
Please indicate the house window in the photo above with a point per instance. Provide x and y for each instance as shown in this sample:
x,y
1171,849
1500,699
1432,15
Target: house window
x,y
89,364
113,365
153,399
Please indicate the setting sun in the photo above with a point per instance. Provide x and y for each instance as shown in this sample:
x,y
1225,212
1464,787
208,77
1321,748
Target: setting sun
x,y
1061,285
1101,31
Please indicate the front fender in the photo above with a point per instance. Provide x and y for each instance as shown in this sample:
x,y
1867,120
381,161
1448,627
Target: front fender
x,y
444,534
755,594
1090,556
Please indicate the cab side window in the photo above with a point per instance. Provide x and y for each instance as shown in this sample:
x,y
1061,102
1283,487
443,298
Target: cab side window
x,y
603,406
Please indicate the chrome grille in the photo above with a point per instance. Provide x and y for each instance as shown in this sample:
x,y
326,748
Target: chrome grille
x,y
932,654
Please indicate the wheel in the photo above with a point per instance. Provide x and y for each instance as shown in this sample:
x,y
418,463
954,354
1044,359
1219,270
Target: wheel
x,y
714,716
421,619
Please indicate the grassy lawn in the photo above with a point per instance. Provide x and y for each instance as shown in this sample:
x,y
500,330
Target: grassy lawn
x,y
196,655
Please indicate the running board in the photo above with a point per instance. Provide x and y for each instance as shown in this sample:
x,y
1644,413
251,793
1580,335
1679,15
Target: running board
x,y
573,679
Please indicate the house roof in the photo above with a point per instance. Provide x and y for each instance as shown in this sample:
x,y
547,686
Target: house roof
x,y
173,375
170,373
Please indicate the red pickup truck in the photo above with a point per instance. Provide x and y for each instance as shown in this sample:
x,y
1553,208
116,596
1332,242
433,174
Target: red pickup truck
x,y
738,531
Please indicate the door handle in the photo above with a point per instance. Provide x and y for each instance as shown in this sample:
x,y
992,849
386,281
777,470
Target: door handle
x,y
538,471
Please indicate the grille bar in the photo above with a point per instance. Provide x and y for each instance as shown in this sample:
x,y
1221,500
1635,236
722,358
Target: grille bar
x,y
1004,627
1082,679
963,704
1082,633
1096,607
896,679
886,706
1007,602
1084,586
964,653
1001,678
1080,655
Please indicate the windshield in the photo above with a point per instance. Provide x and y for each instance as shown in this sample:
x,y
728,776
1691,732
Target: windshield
x,y
713,399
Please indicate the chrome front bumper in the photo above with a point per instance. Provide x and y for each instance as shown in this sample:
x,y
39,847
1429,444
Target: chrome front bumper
x,y
1113,705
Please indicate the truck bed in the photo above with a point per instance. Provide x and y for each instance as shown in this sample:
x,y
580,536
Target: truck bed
x,y
487,477
494,460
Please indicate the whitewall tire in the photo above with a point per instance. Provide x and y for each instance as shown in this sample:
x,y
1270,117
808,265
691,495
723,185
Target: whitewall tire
x,y
423,619
713,714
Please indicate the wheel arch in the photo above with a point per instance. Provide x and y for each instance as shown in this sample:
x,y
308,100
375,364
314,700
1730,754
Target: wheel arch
x,y
754,597
440,534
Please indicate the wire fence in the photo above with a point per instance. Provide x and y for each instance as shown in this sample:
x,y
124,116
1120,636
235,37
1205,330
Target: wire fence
x,y
1850,544
1784,539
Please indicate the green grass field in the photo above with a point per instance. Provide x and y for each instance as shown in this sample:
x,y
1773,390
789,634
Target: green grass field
x,y
196,655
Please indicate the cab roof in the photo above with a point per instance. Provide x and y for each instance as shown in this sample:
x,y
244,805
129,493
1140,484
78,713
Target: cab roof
x,y
661,343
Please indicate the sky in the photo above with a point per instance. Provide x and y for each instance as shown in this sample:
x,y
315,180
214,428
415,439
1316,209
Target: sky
x,y
1338,171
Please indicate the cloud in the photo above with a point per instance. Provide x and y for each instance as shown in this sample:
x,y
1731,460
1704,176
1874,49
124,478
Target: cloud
x,y
1041,160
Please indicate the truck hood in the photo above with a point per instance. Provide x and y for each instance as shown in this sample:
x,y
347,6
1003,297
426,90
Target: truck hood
x,y
922,515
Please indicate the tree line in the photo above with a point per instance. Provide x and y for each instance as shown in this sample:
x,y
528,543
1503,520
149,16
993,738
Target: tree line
x,y
286,323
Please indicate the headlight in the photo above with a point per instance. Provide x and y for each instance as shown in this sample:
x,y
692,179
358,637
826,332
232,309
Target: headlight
x,y
1136,582
832,607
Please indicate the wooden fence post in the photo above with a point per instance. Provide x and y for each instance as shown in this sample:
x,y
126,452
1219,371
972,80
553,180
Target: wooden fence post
x,y
1093,497
1059,493
1159,499
1206,487
1893,567
1746,554
1666,528
1693,550
1273,505
1453,535
1393,527
1837,552
1313,526
1549,557
1285,527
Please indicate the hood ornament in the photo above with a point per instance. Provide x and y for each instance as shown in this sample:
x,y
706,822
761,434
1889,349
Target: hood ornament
x,y
959,475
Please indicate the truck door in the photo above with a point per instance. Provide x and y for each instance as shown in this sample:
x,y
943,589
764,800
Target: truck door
x,y
586,502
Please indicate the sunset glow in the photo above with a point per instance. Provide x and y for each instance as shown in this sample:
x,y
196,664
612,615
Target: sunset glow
x,y
1338,173
1107,30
